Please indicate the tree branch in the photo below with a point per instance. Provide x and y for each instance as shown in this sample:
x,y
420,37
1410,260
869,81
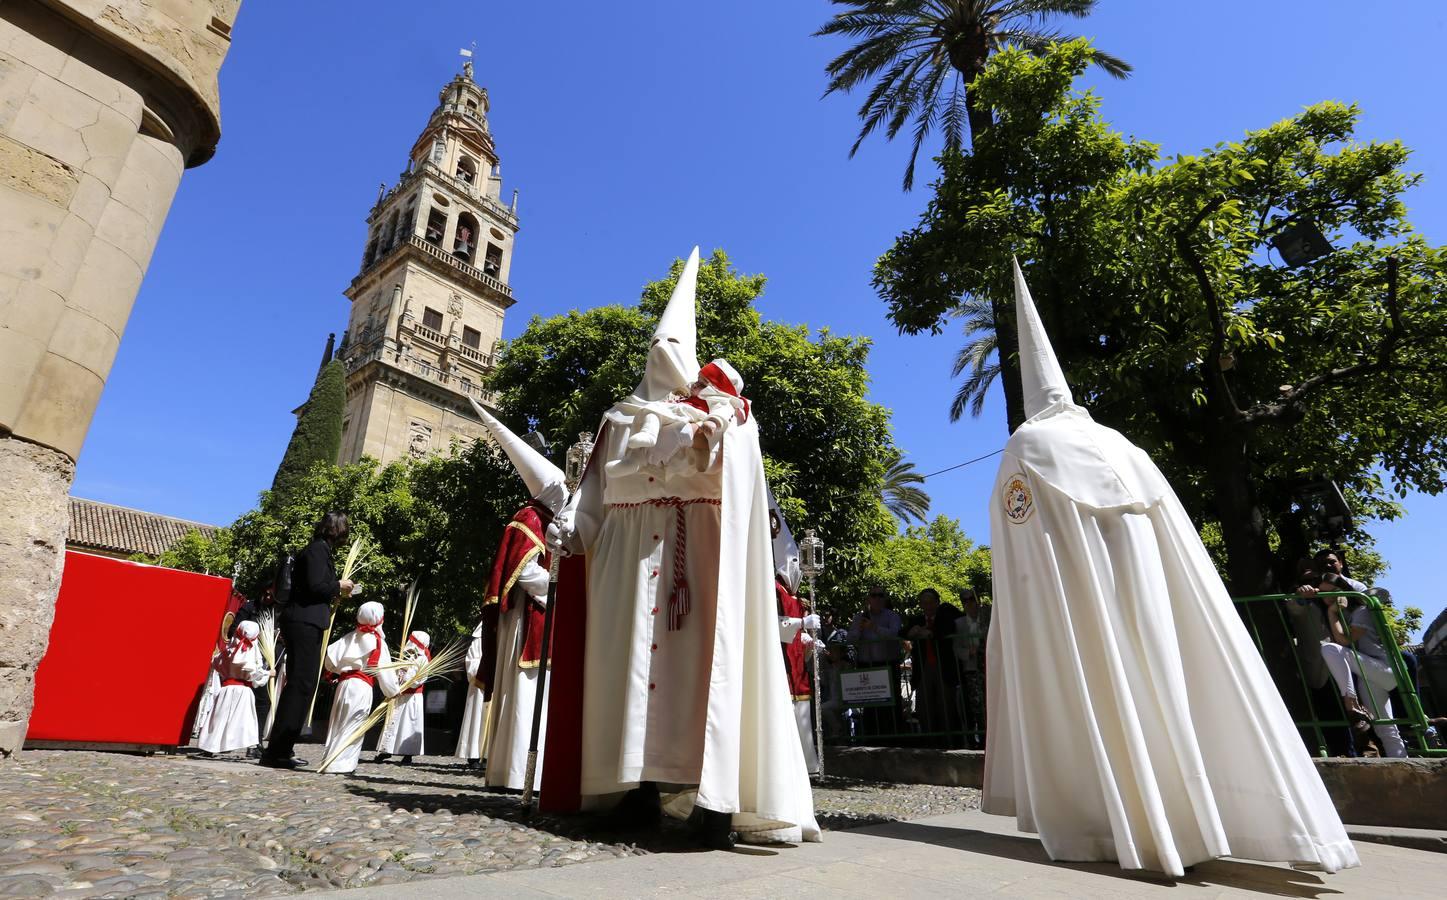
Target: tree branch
x,y
1293,398
1213,307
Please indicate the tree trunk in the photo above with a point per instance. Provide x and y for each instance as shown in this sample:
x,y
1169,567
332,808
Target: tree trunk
x,y
980,120
1243,525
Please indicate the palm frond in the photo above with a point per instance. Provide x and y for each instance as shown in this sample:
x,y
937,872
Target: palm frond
x,y
904,47
904,500
448,659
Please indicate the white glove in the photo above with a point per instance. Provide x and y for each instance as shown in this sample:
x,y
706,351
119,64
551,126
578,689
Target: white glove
x,y
562,537
806,639
811,622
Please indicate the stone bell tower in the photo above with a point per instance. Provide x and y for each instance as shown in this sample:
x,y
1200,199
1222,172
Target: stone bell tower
x,y
428,303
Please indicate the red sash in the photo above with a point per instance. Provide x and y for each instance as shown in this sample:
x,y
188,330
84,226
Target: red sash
x,y
234,682
372,658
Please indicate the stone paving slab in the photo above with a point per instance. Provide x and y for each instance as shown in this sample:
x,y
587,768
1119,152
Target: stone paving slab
x,y
87,824
963,854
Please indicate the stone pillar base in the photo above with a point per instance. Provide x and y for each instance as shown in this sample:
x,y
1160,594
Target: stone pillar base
x,y
34,519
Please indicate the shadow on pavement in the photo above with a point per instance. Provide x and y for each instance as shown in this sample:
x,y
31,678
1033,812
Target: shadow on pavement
x,y
1256,877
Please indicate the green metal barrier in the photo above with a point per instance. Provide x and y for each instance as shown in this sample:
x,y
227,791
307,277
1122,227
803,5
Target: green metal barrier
x,y
1413,717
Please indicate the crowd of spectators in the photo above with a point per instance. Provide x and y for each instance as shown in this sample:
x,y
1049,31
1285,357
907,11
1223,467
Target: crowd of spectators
x,y
934,665
933,659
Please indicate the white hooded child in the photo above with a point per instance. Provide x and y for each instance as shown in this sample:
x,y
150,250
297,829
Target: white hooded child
x,y
347,658
233,725
403,736
1110,734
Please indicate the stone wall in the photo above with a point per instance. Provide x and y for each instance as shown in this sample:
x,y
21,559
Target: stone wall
x,y
102,106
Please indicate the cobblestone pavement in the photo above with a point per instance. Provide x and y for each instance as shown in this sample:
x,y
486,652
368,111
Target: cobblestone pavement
x,y
82,824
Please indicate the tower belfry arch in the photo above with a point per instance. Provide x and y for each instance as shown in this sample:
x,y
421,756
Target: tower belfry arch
x,y
429,301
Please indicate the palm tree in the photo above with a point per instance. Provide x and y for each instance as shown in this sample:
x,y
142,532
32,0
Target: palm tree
x,y
978,357
902,498
923,54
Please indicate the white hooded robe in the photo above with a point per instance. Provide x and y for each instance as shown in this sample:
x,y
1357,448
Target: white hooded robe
x,y
1130,716
706,705
515,690
232,724
352,702
471,742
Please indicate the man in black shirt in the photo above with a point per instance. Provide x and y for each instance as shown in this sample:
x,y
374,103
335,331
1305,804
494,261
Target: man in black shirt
x,y
303,620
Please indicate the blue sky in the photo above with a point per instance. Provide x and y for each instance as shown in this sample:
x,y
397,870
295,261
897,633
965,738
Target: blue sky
x,y
634,130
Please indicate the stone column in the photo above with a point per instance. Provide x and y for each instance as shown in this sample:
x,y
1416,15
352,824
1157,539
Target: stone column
x,y
102,105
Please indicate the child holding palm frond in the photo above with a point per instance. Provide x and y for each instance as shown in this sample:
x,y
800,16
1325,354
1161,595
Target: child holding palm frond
x,y
403,735
232,725
355,659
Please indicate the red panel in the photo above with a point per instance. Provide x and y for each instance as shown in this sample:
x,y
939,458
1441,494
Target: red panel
x,y
164,623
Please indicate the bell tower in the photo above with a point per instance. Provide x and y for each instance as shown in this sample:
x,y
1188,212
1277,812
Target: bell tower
x,y
428,303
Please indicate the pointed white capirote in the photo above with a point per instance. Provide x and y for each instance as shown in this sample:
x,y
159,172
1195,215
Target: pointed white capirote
x,y
1041,378
545,481
673,352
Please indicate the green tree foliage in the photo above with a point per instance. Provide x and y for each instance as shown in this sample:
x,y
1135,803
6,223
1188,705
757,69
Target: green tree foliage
x,y
937,555
1176,324
318,434
436,520
826,447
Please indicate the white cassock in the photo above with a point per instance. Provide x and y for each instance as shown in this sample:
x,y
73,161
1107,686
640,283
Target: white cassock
x,y
515,689
352,703
1130,716
403,736
232,724
470,743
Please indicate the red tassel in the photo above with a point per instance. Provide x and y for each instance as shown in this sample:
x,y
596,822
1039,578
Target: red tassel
x,y
678,607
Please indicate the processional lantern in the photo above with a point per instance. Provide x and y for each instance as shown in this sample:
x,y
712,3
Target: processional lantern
x,y
577,459
811,554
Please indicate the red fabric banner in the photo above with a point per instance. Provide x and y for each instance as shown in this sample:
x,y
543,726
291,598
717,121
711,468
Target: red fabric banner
x,y
171,621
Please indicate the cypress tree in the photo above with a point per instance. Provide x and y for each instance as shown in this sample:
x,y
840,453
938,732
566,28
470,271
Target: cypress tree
x,y
318,434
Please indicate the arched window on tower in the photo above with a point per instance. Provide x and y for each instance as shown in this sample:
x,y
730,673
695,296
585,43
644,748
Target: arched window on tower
x,y
466,168
439,150
436,225
371,255
464,240
493,264
392,235
408,226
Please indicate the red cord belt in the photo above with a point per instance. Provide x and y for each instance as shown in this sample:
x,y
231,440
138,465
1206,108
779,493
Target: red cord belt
x,y
679,603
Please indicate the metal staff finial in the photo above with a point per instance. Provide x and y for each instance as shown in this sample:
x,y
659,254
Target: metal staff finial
x,y
811,565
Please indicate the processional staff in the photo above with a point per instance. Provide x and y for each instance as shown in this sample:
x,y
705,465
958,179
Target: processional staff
x,y
574,466
811,564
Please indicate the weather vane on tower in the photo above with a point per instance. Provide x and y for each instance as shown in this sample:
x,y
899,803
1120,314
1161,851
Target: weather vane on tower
x,y
466,53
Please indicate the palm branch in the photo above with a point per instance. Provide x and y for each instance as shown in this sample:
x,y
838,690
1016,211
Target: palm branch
x,y
921,56
979,357
902,497
445,661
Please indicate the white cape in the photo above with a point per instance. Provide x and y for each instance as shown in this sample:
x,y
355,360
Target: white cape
x,y
729,729
1130,716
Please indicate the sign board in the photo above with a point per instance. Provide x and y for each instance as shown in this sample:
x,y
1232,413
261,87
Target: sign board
x,y
866,687
436,701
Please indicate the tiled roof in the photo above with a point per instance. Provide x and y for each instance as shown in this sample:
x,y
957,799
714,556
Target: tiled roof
x,y
118,529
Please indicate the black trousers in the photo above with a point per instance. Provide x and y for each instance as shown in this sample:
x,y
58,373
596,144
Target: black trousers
x,y
303,660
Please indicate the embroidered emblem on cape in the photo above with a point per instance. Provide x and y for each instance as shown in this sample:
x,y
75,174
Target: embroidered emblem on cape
x,y
1019,502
